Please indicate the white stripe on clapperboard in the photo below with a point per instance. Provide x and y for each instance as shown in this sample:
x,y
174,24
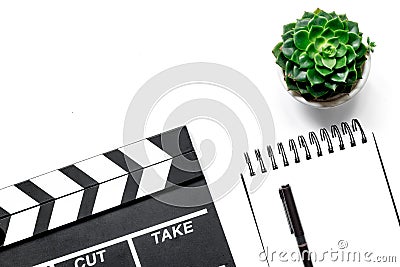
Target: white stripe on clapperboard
x,y
21,224
59,186
128,238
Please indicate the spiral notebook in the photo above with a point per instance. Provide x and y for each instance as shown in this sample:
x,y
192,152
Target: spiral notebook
x,y
342,194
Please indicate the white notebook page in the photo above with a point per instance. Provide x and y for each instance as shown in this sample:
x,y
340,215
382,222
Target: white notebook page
x,y
339,196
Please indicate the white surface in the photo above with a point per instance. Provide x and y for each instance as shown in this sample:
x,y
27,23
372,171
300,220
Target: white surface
x,y
68,71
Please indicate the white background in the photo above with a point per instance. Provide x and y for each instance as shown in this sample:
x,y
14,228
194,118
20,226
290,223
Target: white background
x,y
69,69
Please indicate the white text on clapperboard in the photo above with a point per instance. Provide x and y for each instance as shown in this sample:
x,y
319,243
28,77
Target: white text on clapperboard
x,y
91,259
172,232
160,236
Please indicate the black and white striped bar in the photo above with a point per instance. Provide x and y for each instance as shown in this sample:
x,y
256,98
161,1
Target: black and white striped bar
x,y
93,185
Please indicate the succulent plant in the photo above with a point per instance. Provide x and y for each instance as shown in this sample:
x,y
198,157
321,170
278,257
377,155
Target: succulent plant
x,y
322,54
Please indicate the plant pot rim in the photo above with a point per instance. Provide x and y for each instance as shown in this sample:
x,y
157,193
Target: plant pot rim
x,y
335,100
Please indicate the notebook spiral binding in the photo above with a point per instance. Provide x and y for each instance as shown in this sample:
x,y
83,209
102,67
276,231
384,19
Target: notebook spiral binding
x,y
336,132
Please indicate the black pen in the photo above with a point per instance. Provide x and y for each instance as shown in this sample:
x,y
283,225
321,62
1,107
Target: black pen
x,y
294,223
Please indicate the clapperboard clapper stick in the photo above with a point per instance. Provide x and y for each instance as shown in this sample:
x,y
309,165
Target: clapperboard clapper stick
x,y
104,211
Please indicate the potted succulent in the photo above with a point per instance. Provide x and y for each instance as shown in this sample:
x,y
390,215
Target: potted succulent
x,y
322,58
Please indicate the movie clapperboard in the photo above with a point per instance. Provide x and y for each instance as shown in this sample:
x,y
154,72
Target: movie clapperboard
x,y
105,211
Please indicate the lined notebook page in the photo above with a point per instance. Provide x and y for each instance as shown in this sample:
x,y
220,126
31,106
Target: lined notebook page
x,y
339,196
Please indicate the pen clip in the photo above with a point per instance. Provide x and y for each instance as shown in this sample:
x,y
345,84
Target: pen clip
x,y
286,211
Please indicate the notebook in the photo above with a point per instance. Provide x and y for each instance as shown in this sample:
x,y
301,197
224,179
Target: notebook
x,y
343,198
132,206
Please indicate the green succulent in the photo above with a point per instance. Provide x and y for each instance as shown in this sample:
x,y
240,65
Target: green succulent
x,y
322,54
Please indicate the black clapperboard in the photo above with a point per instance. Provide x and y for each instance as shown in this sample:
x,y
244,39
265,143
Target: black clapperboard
x,y
105,211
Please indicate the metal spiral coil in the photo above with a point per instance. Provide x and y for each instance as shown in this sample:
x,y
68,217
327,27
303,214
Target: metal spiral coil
x,y
336,133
